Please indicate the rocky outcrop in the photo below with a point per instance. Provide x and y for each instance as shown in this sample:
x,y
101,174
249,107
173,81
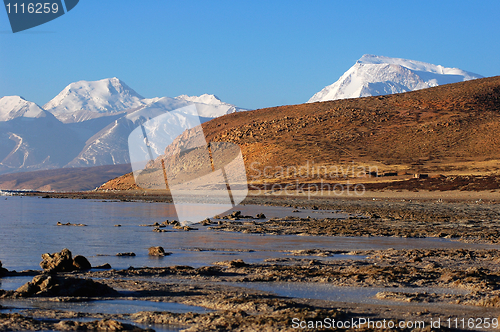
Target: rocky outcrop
x,y
102,267
63,262
158,251
3,272
81,263
125,254
50,285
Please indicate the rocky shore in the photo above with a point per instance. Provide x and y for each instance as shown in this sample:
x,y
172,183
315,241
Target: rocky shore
x,y
421,284
232,306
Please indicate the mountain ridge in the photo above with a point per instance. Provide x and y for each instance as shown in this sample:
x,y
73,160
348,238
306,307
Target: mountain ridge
x,y
93,99
95,116
12,107
449,129
375,75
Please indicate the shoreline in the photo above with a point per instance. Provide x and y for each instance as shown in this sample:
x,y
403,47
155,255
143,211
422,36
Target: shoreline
x,y
411,277
163,196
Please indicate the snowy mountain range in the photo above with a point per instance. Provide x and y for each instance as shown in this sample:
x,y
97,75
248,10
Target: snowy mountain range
x,y
85,100
12,107
379,75
86,124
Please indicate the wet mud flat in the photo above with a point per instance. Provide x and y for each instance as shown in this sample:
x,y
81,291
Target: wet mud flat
x,y
447,284
476,221
424,284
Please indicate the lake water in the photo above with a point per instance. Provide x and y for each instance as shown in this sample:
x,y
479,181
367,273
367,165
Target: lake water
x,y
28,228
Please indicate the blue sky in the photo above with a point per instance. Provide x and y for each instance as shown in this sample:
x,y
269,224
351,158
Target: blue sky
x,y
252,54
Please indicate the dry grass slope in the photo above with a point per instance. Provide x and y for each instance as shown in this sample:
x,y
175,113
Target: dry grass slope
x,y
451,129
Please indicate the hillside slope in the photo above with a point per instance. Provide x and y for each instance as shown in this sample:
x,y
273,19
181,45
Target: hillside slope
x,y
436,129
451,129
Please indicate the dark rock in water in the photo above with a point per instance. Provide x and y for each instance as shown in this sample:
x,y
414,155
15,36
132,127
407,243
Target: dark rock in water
x,y
58,262
158,251
185,228
70,224
81,263
260,216
237,263
51,285
63,262
130,254
236,215
102,267
3,272
153,225
206,222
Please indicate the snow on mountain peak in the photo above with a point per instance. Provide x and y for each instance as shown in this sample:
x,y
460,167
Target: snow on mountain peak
x,y
210,106
374,75
204,99
85,100
12,107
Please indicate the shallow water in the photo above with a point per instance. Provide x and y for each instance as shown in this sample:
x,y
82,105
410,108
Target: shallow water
x,y
13,283
28,229
328,292
103,307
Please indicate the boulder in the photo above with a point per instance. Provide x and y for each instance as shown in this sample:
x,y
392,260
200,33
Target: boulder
x,y
102,267
58,262
125,254
3,272
237,263
206,222
81,263
52,285
64,262
158,251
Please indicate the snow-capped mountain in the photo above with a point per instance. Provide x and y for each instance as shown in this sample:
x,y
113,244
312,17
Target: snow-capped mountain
x,y
379,75
110,145
86,124
12,107
215,107
33,139
86,100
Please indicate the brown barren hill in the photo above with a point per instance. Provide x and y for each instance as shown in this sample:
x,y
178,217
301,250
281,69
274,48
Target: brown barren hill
x,y
450,129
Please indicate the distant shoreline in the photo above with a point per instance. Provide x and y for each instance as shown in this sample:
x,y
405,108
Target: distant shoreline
x,y
280,198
